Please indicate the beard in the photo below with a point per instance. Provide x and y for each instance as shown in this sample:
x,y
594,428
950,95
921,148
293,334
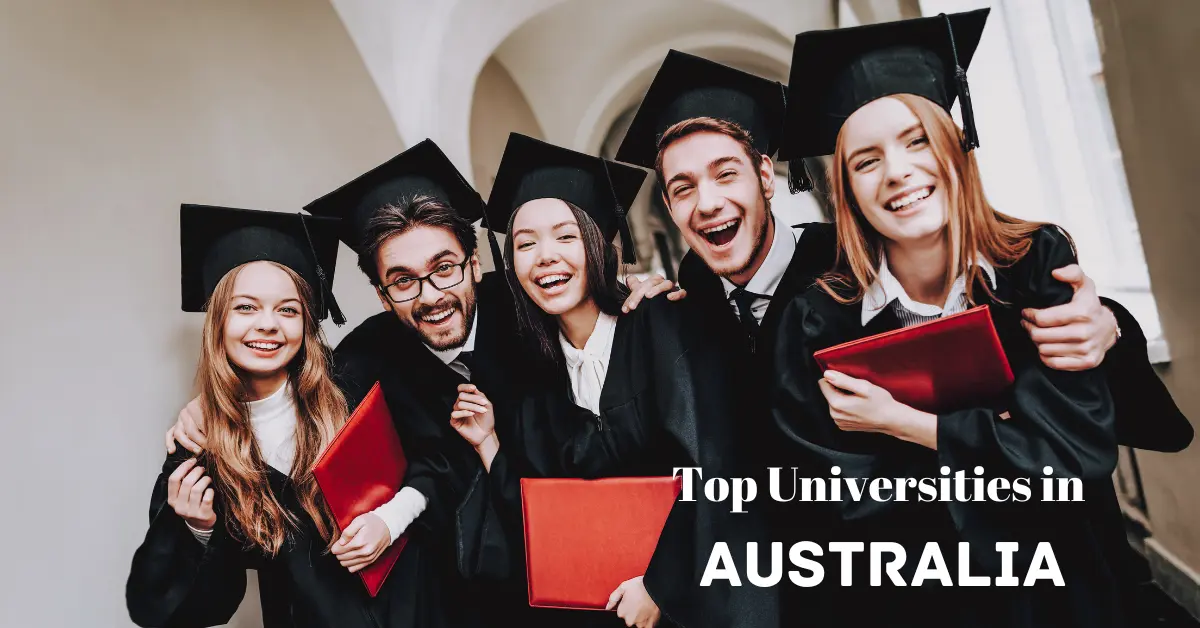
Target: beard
x,y
757,247
450,339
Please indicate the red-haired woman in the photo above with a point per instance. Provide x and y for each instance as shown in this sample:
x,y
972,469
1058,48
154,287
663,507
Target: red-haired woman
x,y
918,240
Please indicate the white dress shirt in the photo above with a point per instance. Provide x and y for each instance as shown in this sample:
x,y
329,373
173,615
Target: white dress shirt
x,y
887,291
588,367
766,280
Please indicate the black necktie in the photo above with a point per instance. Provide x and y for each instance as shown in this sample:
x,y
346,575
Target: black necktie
x,y
467,359
744,300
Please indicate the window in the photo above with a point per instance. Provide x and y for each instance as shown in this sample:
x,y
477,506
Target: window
x,y
1049,147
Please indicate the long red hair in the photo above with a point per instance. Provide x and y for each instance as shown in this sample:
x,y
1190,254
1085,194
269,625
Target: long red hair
x,y
972,225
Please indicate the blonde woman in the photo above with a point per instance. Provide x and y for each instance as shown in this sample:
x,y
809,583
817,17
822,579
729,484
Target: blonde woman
x,y
250,500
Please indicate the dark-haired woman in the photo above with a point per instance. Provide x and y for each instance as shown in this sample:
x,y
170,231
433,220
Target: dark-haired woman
x,y
620,395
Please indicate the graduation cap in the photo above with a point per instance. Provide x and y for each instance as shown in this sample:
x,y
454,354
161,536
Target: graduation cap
x,y
215,240
688,86
843,69
532,169
423,170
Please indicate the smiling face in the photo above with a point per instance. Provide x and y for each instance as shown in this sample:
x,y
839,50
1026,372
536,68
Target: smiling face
x,y
264,328
549,258
442,316
719,201
893,172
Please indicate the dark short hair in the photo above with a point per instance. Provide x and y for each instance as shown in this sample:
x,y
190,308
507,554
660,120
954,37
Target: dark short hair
x,y
606,290
398,218
684,128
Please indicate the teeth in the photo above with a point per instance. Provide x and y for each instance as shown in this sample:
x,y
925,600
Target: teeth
x,y
549,280
910,198
720,227
439,316
265,346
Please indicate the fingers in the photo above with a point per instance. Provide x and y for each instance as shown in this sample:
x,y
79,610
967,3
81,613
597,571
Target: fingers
x,y
632,283
659,288
1069,363
462,415
1073,333
1066,350
206,504
1071,274
196,495
640,290
468,388
473,407
176,478
191,426
357,555
170,440
849,384
350,531
677,295
827,389
615,597
474,398
1056,316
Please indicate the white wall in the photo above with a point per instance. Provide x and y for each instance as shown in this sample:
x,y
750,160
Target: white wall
x,y
113,113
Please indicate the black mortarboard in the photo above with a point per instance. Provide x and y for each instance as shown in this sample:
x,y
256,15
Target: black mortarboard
x,y
846,68
688,86
532,169
421,170
215,240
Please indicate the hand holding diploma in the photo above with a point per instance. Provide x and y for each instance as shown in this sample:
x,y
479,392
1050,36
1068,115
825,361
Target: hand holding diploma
x,y
633,604
362,542
857,405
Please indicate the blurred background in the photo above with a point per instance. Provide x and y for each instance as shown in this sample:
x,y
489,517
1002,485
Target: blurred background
x,y
113,112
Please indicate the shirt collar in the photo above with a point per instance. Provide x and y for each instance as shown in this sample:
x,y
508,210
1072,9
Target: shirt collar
x,y
887,289
449,355
766,280
598,345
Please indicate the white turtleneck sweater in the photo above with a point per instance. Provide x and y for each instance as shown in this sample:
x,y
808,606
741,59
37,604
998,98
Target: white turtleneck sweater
x,y
588,367
273,420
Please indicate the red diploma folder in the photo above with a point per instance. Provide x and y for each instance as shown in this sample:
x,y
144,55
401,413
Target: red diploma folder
x,y
361,470
583,538
941,365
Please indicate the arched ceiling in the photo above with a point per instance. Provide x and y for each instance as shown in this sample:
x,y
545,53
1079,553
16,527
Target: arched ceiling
x,y
579,62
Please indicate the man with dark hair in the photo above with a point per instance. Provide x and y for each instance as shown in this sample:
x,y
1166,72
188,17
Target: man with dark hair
x,y
447,327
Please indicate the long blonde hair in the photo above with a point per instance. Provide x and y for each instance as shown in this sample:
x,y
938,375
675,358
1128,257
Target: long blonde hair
x,y
233,456
973,225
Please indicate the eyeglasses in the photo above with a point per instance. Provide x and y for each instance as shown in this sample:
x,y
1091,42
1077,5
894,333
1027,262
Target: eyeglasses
x,y
444,277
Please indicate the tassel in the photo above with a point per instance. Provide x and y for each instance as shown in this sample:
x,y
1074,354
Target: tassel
x,y
628,254
798,178
970,134
324,290
335,311
497,255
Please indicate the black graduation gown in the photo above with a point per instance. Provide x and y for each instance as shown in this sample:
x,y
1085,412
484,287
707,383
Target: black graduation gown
x,y
420,391
1065,420
176,581
664,404
1147,416
754,379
